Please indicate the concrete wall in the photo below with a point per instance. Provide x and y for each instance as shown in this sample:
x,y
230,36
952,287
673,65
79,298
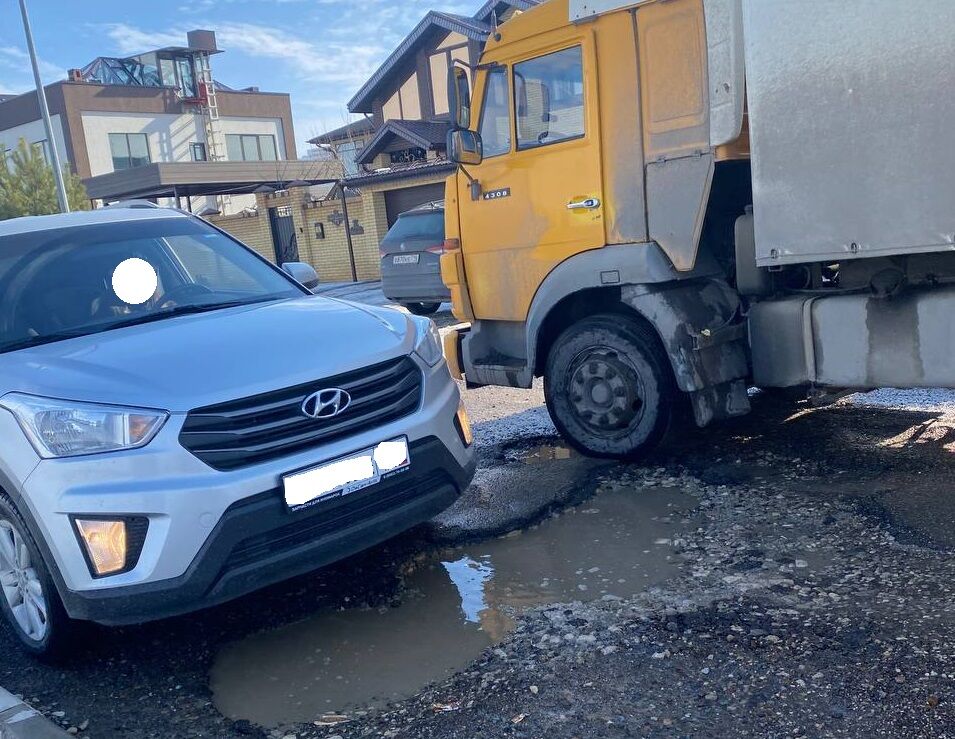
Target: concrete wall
x,y
34,132
169,134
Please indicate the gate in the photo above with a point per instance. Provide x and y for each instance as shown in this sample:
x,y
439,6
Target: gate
x,y
283,235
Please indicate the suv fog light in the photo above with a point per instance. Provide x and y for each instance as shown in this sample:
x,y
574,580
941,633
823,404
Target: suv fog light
x,y
463,424
107,544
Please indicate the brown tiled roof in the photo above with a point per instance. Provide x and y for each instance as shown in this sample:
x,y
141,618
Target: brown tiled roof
x,y
429,135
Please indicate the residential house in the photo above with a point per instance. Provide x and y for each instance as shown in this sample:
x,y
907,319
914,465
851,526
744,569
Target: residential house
x,y
162,106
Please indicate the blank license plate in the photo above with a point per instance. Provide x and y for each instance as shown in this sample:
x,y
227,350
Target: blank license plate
x,y
406,258
348,475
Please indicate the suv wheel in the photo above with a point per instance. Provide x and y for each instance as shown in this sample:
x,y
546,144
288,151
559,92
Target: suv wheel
x,y
609,387
28,597
423,309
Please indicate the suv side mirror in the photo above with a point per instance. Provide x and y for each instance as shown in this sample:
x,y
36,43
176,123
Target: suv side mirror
x,y
459,97
303,274
465,147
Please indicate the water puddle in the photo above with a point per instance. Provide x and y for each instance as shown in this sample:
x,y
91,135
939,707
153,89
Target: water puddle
x,y
617,543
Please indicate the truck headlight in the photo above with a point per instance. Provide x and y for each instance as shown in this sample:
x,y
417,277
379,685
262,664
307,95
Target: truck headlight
x,y
62,428
428,344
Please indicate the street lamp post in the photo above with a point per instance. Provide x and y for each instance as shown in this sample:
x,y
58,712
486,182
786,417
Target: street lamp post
x,y
45,113
341,186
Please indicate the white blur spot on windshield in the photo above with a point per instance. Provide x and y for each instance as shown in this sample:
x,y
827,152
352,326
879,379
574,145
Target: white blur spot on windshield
x,y
135,281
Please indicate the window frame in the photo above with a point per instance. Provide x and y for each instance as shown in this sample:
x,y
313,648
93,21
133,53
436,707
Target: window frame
x,y
506,70
198,146
583,78
258,145
129,150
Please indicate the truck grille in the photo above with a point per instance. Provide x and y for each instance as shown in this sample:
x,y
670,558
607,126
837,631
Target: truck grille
x,y
244,432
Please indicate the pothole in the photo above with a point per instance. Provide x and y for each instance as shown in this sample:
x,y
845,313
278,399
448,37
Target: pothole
x,y
617,543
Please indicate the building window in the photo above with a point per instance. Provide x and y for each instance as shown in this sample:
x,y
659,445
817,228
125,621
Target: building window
x,y
549,99
406,156
178,72
250,147
198,150
129,150
347,151
319,230
496,114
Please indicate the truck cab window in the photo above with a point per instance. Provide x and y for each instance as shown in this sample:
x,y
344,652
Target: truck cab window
x,y
549,98
495,127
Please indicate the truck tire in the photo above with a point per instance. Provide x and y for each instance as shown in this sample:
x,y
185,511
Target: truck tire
x,y
609,387
28,597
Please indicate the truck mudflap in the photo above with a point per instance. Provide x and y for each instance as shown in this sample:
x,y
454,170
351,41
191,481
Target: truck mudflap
x,y
702,330
452,351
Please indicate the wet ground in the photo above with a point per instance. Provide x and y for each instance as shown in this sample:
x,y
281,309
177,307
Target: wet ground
x,y
463,599
787,574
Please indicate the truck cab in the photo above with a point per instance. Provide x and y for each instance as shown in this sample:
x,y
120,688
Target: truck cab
x,y
661,203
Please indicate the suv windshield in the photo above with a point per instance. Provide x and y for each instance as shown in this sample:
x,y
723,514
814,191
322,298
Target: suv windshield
x,y
58,284
415,226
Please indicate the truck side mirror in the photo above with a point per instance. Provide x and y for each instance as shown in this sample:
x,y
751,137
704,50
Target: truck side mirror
x,y
465,147
459,97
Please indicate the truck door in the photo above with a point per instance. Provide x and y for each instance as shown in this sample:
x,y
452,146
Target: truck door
x,y
541,199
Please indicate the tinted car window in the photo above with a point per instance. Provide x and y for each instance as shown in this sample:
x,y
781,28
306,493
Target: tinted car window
x,y
57,284
425,226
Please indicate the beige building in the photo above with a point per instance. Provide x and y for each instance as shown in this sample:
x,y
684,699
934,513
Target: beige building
x,y
159,107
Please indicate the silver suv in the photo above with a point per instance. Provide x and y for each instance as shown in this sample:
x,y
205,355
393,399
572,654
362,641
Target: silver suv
x,y
223,431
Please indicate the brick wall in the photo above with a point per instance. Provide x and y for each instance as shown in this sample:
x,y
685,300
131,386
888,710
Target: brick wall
x,y
329,255
251,230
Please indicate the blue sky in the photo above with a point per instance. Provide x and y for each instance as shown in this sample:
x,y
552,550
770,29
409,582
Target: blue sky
x,y
320,51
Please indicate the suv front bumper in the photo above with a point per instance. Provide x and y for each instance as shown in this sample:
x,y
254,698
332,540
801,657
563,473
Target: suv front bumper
x,y
258,541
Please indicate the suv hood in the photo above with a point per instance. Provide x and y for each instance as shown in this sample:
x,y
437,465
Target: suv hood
x,y
192,361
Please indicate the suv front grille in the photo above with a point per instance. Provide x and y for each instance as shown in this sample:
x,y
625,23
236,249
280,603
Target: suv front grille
x,y
244,432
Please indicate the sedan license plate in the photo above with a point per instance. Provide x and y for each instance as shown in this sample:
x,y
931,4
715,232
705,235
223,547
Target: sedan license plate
x,y
406,258
347,475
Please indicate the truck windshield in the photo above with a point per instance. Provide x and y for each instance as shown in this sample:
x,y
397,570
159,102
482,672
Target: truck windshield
x,y
59,284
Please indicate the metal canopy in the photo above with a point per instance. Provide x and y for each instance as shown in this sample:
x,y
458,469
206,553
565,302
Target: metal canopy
x,y
193,179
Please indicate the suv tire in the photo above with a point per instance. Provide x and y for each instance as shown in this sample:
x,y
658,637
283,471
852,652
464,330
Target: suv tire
x,y
28,596
423,309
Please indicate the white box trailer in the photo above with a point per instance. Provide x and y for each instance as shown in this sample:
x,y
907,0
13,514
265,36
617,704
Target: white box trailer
x,y
851,120
850,110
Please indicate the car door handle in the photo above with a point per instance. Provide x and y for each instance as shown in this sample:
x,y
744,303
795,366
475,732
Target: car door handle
x,y
589,203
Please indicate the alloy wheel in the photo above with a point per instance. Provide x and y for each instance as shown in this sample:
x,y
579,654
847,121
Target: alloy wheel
x,y
21,584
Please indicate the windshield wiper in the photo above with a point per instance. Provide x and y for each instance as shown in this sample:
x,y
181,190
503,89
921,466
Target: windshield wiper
x,y
182,310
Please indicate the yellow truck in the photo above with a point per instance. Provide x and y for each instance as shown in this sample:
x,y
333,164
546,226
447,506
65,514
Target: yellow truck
x,y
677,200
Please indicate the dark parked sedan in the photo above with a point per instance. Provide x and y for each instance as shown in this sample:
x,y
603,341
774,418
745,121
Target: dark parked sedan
x,y
411,260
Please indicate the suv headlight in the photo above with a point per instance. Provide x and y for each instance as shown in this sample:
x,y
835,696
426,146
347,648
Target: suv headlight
x,y
428,342
62,428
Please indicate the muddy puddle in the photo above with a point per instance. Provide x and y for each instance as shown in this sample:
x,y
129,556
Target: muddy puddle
x,y
616,543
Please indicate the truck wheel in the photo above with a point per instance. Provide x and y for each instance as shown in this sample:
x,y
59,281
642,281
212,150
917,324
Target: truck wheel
x,y
28,598
423,309
609,387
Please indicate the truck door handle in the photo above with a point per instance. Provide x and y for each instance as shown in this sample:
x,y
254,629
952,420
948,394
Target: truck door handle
x,y
589,203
